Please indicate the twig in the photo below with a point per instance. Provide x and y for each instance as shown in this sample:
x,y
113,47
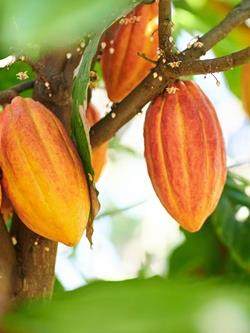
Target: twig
x,y
165,28
236,17
143,55
221,64
7,95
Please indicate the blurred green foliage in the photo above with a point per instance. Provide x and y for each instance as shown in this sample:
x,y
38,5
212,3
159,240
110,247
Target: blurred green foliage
x,y
200,255
8,76
140,306
31,25
233,230
222,245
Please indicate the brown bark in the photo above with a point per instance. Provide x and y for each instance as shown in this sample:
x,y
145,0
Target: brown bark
x,y
165,28
35,263
7,268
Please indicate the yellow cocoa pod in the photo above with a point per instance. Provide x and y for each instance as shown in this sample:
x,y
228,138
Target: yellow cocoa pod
x,y
185,154
42,172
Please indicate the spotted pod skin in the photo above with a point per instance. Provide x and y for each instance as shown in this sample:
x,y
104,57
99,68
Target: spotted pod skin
x,y
185,154
42,172
99,154
123,69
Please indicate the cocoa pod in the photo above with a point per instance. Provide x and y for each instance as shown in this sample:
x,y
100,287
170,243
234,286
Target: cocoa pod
x,y
185,154
245,89
123,69
99,154
42,172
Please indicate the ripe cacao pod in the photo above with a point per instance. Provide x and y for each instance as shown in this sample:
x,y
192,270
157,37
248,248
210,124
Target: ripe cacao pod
x,y
245,88
123,68
42,172
185,154
99,154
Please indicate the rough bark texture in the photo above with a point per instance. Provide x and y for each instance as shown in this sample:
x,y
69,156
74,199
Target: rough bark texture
x,y
35,261
7,268
165,28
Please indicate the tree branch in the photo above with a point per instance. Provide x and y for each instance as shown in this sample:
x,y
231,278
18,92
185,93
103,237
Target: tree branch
x,y
221,64
7,95
236,17
121,113
7,267
165,27
164,75
35,262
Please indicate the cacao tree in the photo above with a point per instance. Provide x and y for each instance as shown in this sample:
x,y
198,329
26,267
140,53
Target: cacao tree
x,y
143,58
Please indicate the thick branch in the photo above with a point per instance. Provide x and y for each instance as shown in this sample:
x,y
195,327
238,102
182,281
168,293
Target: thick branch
x,y
236,17
7,95
7,267
215,65
35,263
121,113
165,27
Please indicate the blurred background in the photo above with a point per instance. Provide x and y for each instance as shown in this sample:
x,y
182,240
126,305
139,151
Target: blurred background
x,y
134,236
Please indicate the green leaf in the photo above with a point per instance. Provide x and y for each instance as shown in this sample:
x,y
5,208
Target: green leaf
x,y
58,287
234,233
8,76
80,131
78,119
32,24
200,255
139,306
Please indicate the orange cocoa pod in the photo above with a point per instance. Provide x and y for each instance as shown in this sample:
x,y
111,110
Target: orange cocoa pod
x,y
123,68
245,87
185,154
99,154
42,172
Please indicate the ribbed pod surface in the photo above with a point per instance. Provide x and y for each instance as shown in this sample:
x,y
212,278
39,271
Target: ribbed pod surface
x,y
123,68
42,173
185,154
